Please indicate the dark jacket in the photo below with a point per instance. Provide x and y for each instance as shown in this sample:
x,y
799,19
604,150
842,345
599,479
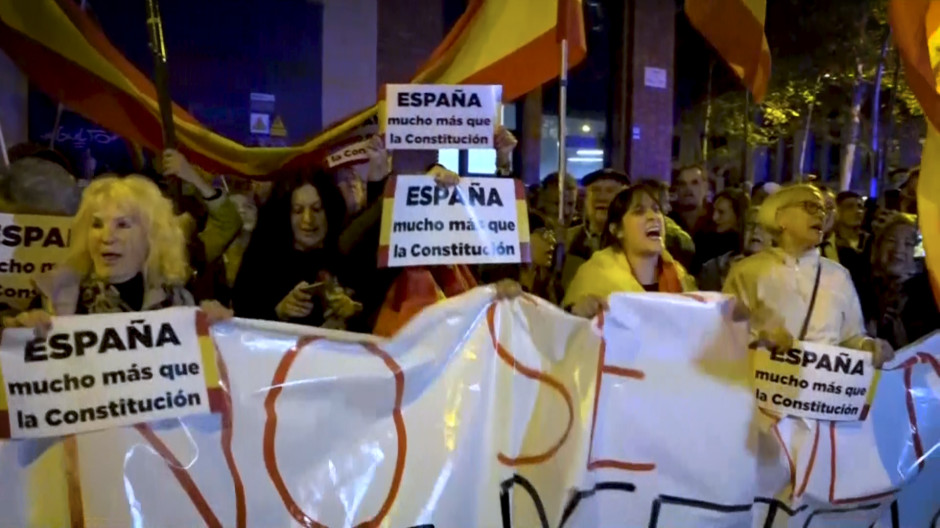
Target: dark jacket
x,y
267,276
358,250
900,314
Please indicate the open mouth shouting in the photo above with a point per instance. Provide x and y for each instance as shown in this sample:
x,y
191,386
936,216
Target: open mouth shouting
x,y
654,232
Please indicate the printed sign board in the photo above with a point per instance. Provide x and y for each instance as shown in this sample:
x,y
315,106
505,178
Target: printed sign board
x,y
435,116
479,221
815,381
104,371
655,77
29,244
348,154
260,123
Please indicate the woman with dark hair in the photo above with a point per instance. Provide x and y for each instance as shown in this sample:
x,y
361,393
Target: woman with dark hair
x,y
633,258
288,270
729,214
714,272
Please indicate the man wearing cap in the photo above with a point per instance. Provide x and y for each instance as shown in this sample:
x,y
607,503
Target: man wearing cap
x,y
583,240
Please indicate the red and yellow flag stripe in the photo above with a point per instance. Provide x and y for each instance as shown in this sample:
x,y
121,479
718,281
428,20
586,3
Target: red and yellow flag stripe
x,y
65,54
736,29
915,25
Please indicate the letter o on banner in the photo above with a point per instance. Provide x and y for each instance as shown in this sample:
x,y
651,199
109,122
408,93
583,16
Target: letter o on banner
x,y
270,431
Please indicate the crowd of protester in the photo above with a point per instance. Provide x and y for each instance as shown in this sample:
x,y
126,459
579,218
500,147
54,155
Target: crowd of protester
x,y
801,261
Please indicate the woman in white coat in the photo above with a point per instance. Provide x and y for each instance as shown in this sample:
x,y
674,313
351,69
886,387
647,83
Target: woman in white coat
x,y
791,291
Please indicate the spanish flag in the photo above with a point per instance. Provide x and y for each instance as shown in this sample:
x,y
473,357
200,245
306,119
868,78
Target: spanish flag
x,y
915,25
65,54
736,29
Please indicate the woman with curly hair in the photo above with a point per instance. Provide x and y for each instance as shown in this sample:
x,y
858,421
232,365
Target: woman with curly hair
x,y
127,254
290,269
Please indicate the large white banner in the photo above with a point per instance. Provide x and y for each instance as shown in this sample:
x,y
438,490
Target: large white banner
x,y
497,415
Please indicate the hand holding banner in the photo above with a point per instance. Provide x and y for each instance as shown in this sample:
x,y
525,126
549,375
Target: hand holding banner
x,y
483,414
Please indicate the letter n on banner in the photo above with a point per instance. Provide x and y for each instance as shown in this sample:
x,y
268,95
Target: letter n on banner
x,y
388,209
522,220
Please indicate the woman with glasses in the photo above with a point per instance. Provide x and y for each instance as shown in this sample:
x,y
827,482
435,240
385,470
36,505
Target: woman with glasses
x,y
793,293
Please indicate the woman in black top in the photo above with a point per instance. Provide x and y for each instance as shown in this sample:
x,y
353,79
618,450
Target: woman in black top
x,y
897,299
288,272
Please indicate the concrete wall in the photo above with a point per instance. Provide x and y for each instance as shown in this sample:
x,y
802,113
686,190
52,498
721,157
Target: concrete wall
x,y
409,30
653,47
350,48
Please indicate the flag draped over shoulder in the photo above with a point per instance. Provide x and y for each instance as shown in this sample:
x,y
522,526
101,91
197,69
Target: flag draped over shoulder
x,y
65,54
736,29
915,25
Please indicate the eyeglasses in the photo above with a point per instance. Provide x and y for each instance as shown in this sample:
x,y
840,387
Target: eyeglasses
x,y
810,206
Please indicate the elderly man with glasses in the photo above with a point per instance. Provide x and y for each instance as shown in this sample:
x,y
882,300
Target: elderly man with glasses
x,y
790,290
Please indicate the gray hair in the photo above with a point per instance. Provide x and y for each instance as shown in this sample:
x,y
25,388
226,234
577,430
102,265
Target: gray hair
x,y
37,186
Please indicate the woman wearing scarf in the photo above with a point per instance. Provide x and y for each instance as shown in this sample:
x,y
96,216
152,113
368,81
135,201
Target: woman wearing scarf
x,y
633,258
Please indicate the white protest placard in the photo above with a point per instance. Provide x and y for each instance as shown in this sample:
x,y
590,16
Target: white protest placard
x,y
29,244
96,372
815,381
348,154
479,221
436,116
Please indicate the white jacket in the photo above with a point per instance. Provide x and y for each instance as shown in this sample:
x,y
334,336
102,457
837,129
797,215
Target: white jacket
x,y
777,289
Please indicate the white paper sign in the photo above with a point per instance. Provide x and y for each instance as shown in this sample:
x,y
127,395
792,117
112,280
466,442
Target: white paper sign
x,y
654,77
260,123
815,381
435,116
103,371
348,154
482,220
29,244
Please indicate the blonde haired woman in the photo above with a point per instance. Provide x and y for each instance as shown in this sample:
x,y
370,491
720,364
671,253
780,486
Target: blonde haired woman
x,y
791,291
127,254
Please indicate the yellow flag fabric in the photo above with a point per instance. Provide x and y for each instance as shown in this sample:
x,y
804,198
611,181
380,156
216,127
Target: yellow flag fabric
x,y
916,29
65,54
736,29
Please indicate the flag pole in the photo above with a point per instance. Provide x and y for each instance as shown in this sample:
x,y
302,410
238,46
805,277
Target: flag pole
x,y
162,83
562,130
3,148
60,108
560,228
